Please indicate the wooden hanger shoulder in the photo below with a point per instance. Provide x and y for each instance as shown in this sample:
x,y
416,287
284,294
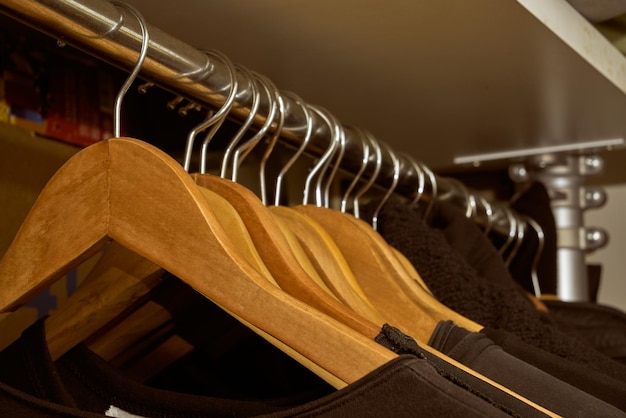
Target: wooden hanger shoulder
x,y
119,279
301,256
277,256
374,275
98,196
329,261
409,283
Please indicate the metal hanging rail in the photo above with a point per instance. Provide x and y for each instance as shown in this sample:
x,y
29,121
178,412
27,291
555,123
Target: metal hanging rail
x,y
113,35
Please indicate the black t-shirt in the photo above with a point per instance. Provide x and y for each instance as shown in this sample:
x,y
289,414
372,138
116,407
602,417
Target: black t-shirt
x,y
80,384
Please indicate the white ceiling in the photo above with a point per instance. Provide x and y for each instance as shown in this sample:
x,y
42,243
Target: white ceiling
x,y
439,79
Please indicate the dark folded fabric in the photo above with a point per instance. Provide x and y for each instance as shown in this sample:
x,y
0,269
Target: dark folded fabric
x,y
602,326
478,352
400,343
595,383
80,384
534,202
465,272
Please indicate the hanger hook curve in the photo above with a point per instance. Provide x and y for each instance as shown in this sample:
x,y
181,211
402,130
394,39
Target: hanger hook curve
x,y
216,119
364,161
301,149
117,129
391,189
378,161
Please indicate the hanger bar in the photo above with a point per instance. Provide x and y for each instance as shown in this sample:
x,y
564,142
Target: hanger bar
x,y
113,35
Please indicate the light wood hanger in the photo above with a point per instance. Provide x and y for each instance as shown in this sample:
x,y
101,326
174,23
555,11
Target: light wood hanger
x,y
374,276
277,255
329,261
120,278
301,256
378,270
383,277
97,197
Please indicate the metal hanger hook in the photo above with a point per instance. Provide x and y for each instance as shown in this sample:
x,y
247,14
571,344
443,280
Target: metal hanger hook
x,y
533,271
145,40
391,189
378,161
488,213
421,181
280,103
245,126
364,161
216,118
340,137
322,161
434,189
301,149
244,150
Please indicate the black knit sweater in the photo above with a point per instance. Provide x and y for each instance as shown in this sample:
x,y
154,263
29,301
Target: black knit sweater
x,y
466,273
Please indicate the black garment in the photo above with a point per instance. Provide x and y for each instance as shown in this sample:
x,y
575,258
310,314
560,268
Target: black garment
x,y
594,277
400,343
597,384
478,352
206,373
82,385
534,202
454,259
602,326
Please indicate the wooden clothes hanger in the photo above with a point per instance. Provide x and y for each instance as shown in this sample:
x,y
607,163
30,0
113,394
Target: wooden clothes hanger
x,y
97,197
329,261
163,216
386,283
120,280
271,241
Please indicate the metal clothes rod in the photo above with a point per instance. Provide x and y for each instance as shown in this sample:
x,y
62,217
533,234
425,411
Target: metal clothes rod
x,y
113,35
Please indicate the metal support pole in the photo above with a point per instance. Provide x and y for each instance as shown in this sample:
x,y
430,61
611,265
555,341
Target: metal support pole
x,y
564,176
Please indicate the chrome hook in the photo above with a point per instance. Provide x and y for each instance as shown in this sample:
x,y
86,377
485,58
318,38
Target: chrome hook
x,y
377,167
391,189
322,161
421,182
434,189
340,137
489,213
254,107
270,147
117,119
359,174
217,118
541,240
244,150
298,153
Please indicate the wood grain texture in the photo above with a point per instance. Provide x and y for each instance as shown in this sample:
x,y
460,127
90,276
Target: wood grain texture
x,y
163,216
277,254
